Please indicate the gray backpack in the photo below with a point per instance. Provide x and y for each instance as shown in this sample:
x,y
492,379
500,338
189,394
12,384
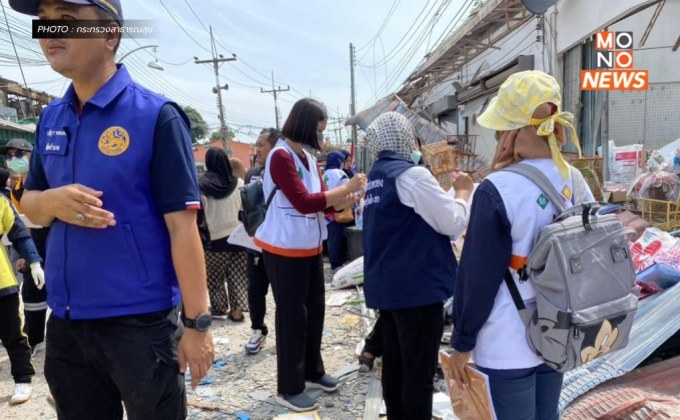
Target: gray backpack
x,y
584,279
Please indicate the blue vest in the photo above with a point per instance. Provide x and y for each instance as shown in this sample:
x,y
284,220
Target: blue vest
x,y
122,270
406,262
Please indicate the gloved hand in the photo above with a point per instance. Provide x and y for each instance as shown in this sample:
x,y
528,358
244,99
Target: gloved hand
x,y
38,275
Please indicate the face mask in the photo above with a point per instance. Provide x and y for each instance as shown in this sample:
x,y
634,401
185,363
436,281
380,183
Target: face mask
x,y
18,165
320,138
416,155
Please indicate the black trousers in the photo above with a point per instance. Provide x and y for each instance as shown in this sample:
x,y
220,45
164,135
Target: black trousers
x,y
14,340
374,341
91,365
337,244
298,287
258,286
411,342
35,309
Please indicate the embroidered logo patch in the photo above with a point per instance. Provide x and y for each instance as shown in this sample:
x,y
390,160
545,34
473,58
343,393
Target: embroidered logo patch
x,y
566,192
543,201
302,174
114,141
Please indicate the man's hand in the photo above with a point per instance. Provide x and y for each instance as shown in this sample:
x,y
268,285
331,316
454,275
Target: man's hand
x,y
78,205
196,351
459,361
38,275
20,264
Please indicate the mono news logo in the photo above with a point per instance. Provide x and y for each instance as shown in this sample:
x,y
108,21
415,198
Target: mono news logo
x,y
614,62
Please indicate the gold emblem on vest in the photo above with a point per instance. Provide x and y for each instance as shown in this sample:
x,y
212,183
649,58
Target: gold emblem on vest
x,y
114,141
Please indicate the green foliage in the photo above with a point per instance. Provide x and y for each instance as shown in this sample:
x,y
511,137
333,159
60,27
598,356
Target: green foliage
x,y
217,135
199,128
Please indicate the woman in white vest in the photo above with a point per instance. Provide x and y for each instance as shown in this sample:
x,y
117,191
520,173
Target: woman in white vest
x,y
291,238
507,213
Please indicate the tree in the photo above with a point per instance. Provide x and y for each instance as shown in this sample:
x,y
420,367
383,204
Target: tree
x,y
217,135
199,128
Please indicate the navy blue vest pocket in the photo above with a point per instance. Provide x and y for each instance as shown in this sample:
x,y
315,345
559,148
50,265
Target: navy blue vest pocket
x,y
54,141
133,249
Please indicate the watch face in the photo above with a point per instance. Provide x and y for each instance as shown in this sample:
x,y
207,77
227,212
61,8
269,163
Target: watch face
x,y
203,322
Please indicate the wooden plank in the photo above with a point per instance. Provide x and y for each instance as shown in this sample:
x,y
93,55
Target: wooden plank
x,y
373,399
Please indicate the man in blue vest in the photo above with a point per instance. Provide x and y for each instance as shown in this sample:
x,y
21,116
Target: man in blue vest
x,y
113,175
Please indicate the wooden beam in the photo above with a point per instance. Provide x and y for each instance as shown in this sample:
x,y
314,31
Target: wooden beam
x,y
11,87
677,45
651,23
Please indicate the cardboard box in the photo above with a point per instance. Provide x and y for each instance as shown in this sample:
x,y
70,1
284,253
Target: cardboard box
x,y
616,196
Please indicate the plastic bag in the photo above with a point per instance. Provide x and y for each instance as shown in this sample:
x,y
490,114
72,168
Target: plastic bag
x,y
649,245
657,185
625,163
349,275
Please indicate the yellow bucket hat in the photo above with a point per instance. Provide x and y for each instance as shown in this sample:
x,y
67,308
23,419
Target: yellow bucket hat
x,y
518,98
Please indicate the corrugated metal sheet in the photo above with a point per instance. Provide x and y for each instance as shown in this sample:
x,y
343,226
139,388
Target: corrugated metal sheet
x,y
646,393
655,322
428,132
10,130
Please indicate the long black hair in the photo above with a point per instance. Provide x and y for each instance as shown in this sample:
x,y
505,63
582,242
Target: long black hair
x,y
219,180
303,122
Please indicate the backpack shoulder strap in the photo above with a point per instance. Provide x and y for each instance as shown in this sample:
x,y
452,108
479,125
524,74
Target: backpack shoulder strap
x,y
271,197
541,181
524,313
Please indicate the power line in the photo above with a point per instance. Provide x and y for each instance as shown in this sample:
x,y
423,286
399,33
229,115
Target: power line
x,y
21,69
389,15
182,27
399,45
460,14
275,91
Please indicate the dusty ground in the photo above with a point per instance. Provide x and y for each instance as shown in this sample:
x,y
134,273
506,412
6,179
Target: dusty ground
x,y
240,385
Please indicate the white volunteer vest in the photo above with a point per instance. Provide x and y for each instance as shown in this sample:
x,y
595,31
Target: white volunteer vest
x,y
285,231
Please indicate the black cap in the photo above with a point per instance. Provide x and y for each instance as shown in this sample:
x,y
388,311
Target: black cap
x,y
20,144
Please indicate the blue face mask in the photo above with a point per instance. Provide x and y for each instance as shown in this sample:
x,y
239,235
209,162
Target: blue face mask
x,y
416,155
18,165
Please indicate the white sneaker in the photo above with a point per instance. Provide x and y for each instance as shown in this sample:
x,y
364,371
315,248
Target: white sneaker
x,y
256,342
22,393
38,348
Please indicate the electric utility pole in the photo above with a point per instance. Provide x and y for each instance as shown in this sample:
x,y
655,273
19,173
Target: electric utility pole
x,y
216,61
275,91
353,109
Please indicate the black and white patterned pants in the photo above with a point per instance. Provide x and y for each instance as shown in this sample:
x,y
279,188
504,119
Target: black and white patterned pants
x,y
229,267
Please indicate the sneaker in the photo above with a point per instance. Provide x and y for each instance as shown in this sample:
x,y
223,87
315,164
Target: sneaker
x,y
299,403
326,383
22,393
256,342
38,348
218,315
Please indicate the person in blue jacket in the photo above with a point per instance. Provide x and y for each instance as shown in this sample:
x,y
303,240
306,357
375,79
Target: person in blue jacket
x,y
409,265
113,174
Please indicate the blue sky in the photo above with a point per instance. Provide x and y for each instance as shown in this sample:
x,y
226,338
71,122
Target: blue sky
x,y
305,43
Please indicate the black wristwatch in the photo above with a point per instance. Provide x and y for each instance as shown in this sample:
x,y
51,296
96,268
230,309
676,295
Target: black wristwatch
x,y
201,323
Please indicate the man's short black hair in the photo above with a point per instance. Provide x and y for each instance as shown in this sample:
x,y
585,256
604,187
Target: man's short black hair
x,y
303,122
273,135
104,15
